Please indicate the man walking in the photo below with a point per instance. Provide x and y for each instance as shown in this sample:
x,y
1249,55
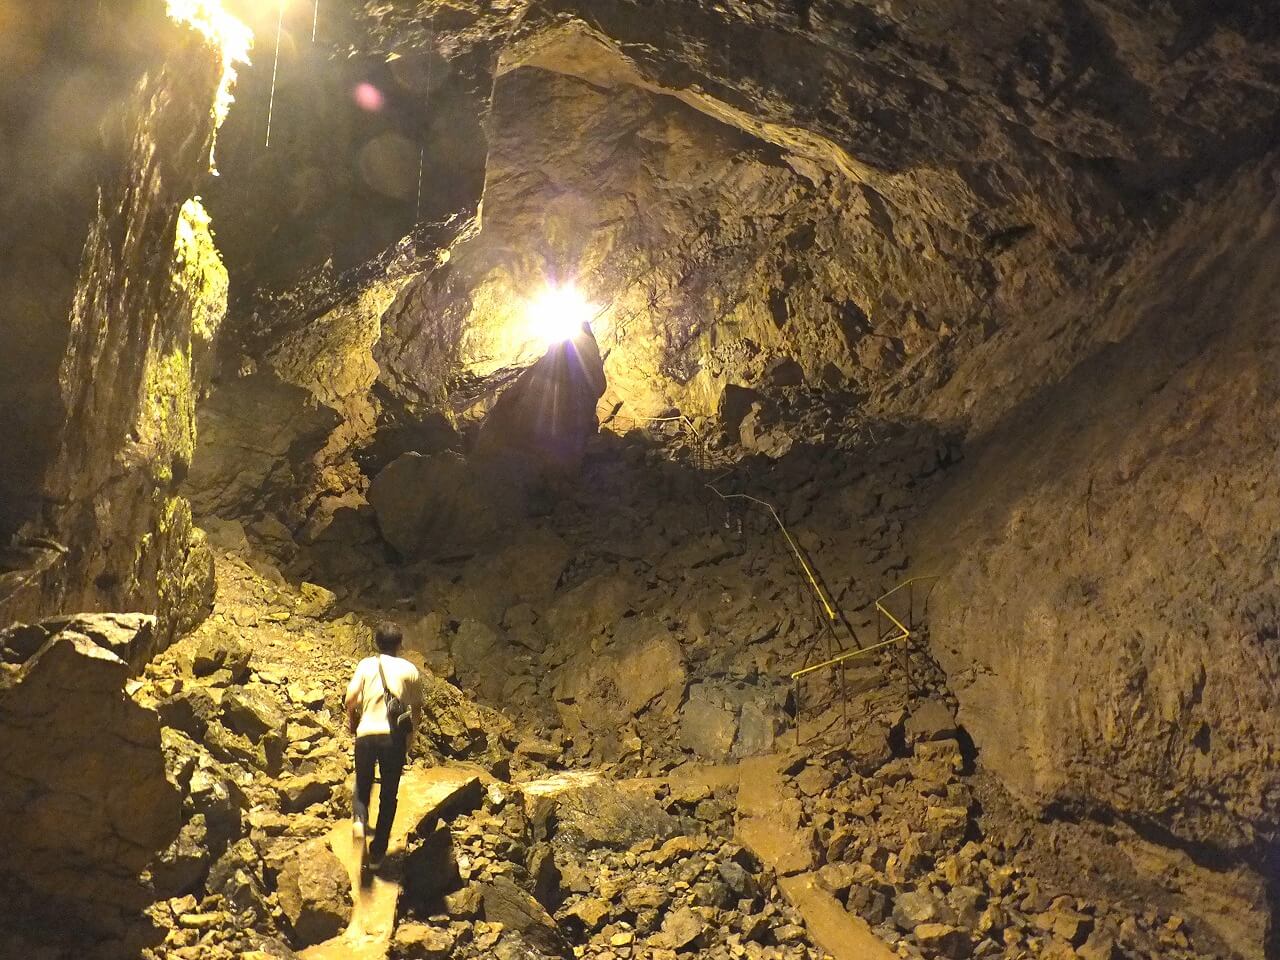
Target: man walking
x,y
384,700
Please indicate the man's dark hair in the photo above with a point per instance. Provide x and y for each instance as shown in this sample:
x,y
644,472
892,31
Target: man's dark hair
x,y
387,636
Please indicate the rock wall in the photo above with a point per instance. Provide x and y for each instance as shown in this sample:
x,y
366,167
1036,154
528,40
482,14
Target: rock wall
x,y
709,253
134,332
63,70
1108,620
878,195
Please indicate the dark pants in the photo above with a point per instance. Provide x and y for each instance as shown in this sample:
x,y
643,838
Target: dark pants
x,y
385,752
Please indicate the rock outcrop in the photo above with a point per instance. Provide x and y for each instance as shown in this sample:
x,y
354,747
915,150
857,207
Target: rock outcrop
x,y
256,441
84,799
133,331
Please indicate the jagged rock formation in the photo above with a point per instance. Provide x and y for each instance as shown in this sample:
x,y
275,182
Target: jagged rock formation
x,y
132,328
84,800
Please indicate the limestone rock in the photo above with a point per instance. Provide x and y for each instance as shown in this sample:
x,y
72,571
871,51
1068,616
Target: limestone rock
x,y
190,710
84,799
682,930
506,903
604,815
589,912
943,939
932,720
266,755
418,941
915,907
253,712
541,423
256,434
315,893
722,719
182,867
457,725
218,651
298,793
130,636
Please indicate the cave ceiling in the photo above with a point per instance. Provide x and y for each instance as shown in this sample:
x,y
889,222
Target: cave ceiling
x,y
890,184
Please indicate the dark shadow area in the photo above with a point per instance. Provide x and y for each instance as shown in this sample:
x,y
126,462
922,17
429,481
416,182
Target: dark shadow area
x,y
361,148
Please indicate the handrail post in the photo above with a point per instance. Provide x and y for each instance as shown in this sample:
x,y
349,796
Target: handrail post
x,y
795,690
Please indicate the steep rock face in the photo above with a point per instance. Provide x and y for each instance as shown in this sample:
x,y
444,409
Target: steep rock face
x,y
148,298
84,801
1108,619
255,441
53,97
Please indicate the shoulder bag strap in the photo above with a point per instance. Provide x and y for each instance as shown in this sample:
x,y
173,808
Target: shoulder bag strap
x,y
386,691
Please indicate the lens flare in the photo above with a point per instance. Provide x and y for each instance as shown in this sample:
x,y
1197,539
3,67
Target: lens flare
x,y
368,97
557,313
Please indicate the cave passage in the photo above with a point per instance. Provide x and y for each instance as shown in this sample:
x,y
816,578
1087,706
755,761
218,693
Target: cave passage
x,y
819,458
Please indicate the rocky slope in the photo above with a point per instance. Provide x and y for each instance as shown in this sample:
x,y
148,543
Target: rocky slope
x,y
695,829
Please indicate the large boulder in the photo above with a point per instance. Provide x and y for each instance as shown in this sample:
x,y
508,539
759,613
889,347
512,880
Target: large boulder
x,y
426,505
724,719
315,893
84,799
602,814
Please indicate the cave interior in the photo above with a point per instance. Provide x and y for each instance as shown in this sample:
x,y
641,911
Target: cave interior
x,y
821,455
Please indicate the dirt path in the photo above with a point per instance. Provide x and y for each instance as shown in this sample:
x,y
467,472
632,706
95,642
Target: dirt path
x,y
373,917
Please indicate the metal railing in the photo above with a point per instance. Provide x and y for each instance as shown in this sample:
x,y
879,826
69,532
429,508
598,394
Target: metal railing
x,y
699,449
899,633
832,617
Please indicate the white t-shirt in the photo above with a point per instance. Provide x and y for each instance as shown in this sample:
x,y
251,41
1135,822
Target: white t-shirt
x,y
366,687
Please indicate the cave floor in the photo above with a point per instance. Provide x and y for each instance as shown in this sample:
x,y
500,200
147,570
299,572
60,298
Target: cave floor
x,y
517,838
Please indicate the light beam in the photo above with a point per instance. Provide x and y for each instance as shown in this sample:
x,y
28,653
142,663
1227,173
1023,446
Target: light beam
x,y
557,313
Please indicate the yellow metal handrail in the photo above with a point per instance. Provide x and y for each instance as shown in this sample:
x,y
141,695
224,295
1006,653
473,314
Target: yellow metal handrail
x,y
904,633
812,577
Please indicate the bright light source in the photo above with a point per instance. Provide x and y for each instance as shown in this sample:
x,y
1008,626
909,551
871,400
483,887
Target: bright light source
x,y
231,38
558,313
